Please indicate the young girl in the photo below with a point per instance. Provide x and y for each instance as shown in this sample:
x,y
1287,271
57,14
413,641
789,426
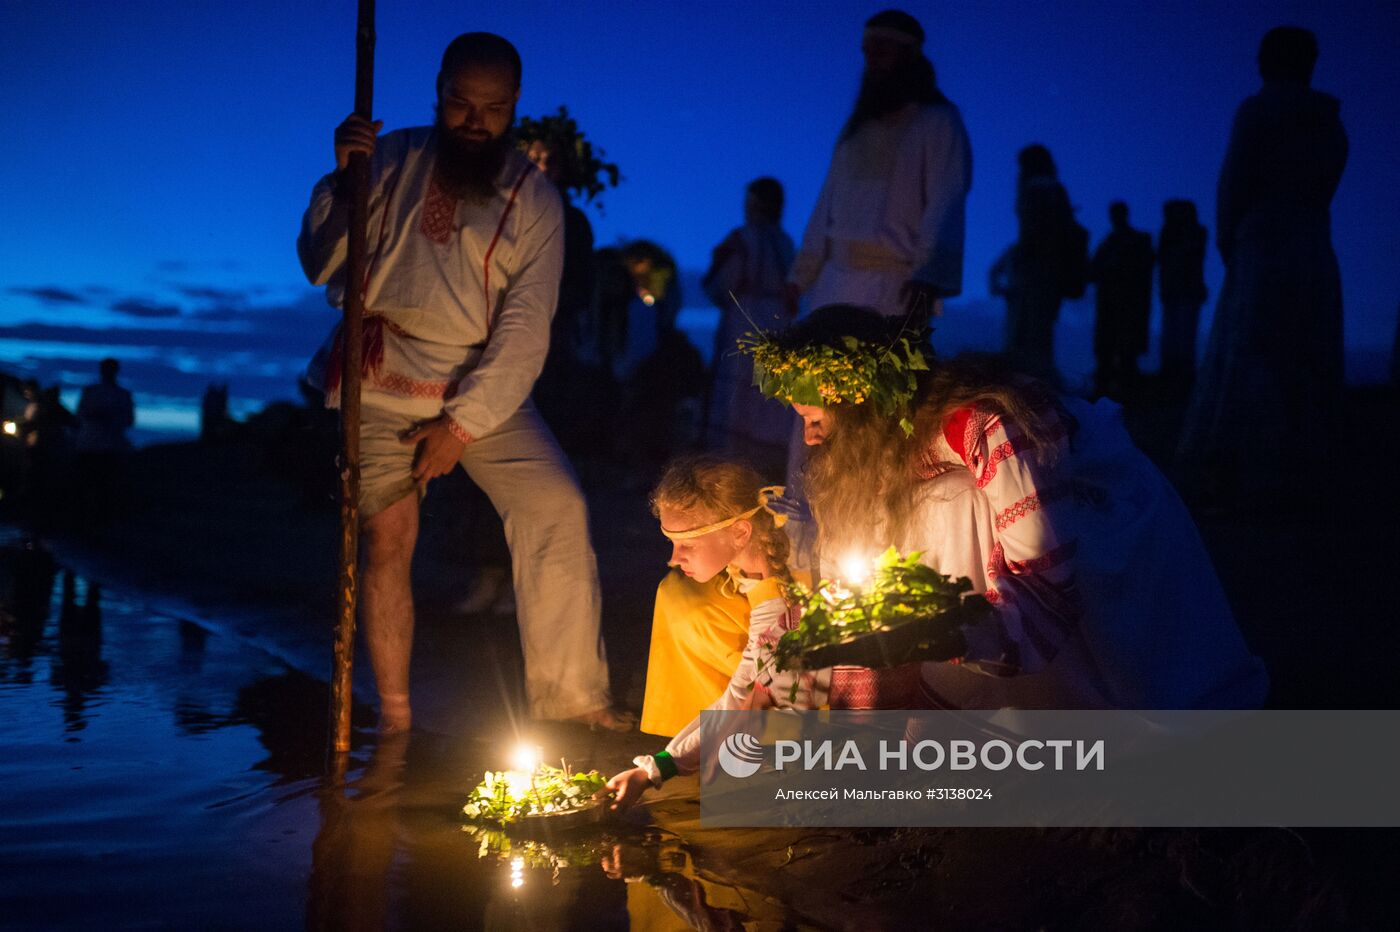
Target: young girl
x,y
727,549
723,538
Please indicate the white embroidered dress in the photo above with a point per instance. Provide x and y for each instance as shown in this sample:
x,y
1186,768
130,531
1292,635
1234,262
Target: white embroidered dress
x,y
1105,596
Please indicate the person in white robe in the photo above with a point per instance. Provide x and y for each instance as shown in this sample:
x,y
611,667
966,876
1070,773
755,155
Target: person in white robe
x,y
466,251
888,227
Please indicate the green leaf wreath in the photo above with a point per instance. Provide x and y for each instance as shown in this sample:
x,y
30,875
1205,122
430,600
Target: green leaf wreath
x,y
901,594
857,372
551,790
586,174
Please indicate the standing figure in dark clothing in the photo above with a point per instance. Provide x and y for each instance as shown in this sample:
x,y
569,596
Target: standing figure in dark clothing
x,y
1272,372
662,372
105,412
45,431
1181,257
746,282
556,389
1122,275
1050,260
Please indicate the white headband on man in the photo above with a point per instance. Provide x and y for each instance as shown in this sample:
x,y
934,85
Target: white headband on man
x,y
894,35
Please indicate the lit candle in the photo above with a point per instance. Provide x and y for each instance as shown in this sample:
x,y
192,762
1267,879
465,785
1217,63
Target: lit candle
x,y
855,570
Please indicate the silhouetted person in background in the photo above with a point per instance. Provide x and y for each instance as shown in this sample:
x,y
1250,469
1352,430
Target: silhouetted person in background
x,y
45,431
1395,356
1049,263
638,298
214,421
556,391
745,281
1122,274
1272,375
105,412
1181,257
662,371
887,230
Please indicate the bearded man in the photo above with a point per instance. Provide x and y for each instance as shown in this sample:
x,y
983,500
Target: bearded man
x,y
887,231
466,249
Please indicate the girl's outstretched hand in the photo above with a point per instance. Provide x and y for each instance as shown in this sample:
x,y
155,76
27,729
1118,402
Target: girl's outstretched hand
x,y
626,788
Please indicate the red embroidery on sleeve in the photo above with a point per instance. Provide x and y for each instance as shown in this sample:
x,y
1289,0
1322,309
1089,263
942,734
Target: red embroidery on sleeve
x,y
1015,512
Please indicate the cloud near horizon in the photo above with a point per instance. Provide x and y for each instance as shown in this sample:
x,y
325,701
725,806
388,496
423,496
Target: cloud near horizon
x,y
50,295
140,307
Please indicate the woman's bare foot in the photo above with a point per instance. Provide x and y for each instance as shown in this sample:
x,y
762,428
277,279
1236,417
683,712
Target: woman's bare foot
x,y
395,715
607,719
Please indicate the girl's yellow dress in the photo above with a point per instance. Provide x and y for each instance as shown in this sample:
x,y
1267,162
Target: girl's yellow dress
x,y
698,634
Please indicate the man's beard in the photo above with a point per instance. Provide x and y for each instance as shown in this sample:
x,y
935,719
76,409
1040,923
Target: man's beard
x,y
881,93
884,92
467,168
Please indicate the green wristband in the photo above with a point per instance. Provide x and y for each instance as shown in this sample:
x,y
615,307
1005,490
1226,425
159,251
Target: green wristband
x,y
666,764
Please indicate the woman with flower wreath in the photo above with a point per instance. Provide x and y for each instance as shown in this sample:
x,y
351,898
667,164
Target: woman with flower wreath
x,y
1104,595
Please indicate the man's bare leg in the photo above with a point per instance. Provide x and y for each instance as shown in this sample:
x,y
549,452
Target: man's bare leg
x,y
387,607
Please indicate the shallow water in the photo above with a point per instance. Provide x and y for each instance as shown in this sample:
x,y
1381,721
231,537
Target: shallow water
x,y
155,774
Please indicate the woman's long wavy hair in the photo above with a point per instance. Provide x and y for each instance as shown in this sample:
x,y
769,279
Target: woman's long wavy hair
x,y
862,480
709,489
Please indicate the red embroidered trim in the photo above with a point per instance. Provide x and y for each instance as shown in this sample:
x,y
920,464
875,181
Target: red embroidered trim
x,y
1010,515
486,263
989,472
999,566
458,431
439,213
1061,554
979,424
993,596
792,618
930,466
1035,502
866,688
402,385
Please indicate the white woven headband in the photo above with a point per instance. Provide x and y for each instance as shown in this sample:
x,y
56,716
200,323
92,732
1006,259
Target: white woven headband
x,y
894,35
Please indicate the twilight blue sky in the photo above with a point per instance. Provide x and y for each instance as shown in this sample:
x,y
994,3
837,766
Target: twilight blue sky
x,y
157,156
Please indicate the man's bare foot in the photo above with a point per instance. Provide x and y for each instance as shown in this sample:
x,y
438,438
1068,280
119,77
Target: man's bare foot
x,y
607,719
395,715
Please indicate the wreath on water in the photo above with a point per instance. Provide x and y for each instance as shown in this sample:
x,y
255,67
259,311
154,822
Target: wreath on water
x,y
506,797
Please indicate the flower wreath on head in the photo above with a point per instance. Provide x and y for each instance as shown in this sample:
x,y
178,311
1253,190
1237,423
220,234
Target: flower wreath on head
x,y
878,372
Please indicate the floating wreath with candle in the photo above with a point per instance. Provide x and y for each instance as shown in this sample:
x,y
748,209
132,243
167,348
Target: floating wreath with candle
x,y
891,611
533,792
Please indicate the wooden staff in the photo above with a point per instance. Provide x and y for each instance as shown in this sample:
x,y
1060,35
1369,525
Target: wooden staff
x,y
354,303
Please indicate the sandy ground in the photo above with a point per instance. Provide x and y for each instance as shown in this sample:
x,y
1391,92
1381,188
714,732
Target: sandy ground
x,y
241,537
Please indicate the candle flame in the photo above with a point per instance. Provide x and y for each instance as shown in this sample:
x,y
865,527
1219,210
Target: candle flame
x,y
855,569
525,757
